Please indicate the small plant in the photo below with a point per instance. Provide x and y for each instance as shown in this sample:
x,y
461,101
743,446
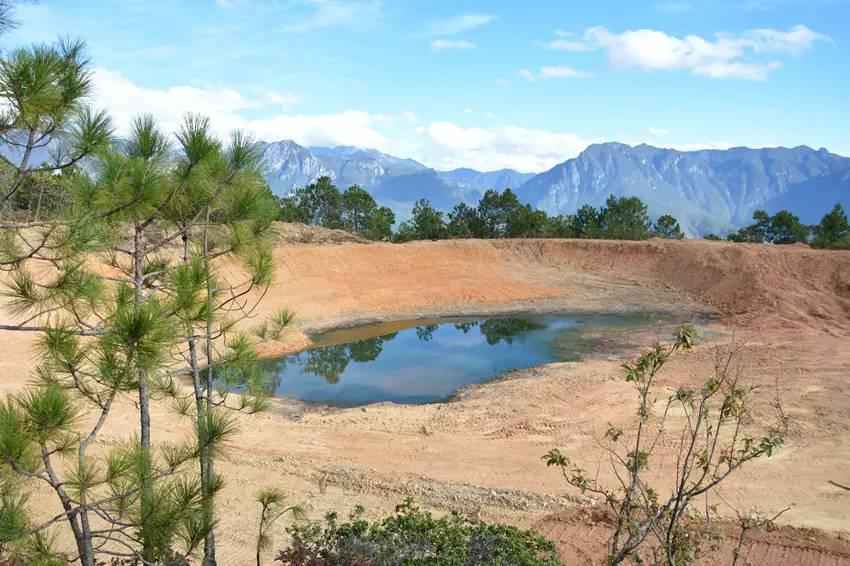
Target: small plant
x,y
414,537
715,440
752,520
274,507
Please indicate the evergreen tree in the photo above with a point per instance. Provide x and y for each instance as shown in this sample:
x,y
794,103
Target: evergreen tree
x,y
560,227
833,232
358,210
585,223
290,211
43,90
624,218
319,203
464,222
667,227
405,233
781,228
117,332
525,222
786,228
754,233
495,210
381,224
427,223
235,209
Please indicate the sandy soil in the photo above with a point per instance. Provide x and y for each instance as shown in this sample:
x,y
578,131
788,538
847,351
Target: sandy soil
x,y
788,306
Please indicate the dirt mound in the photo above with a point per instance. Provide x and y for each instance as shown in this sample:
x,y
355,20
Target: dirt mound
x,y
288,233
581,536
748,284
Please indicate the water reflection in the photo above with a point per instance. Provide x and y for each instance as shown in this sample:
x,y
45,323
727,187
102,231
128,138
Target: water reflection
x,y
330,362
405,363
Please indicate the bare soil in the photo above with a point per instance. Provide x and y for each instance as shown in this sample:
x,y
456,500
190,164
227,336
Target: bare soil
x,y
788,308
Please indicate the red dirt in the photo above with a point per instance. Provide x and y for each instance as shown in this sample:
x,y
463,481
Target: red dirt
x,y
482,453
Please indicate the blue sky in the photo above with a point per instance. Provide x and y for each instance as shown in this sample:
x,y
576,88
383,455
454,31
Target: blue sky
x,y
486,84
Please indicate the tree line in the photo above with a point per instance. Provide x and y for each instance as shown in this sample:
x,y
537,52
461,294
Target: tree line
x,y
832,232
497,215
502,215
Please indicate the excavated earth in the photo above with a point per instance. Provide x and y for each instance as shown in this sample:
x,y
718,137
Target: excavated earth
x,y
787,308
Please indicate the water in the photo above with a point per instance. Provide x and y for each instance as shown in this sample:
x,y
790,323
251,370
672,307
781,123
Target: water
x,y
426,361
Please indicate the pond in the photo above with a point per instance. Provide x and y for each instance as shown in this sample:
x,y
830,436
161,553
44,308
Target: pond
x,y
426,361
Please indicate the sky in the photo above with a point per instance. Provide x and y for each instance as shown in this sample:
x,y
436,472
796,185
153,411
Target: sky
x,y
486,84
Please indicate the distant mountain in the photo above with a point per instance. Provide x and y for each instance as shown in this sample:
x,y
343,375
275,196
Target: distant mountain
x,y
391,180
476,183
288,165
708,191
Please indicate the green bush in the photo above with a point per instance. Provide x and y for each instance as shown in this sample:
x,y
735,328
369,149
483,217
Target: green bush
x,y
412,537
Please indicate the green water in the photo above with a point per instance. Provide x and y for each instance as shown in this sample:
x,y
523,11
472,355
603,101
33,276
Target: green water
x,y
427,361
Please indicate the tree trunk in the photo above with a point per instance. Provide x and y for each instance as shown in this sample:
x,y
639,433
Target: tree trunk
x,y
201,411
209,503
83,541
146,489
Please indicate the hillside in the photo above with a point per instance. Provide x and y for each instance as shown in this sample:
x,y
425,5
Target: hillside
x,y
708,190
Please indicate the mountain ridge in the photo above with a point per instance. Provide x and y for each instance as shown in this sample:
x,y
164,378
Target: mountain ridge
x,y
708,190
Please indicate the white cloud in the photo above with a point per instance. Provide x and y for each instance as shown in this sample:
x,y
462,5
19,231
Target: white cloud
x,y
564,45
335,13
794,41
125,100
657,131
561,72
460,24
410,117
443,44
556,72
447,145
726,56
504,83
720,58
746,71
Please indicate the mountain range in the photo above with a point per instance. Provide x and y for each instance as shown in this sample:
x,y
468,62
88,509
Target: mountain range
x,y
706,190
393,180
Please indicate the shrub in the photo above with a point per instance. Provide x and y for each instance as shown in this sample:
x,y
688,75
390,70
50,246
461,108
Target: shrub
x,y
413,537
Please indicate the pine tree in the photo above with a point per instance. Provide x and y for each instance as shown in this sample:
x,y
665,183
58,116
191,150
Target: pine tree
x,y
667,227
125,328
833,232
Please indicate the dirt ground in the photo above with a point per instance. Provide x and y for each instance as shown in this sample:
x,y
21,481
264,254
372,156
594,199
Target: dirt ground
x,y
787,307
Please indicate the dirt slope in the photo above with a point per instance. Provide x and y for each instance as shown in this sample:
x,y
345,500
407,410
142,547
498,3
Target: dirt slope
x,y
748,284
482,452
